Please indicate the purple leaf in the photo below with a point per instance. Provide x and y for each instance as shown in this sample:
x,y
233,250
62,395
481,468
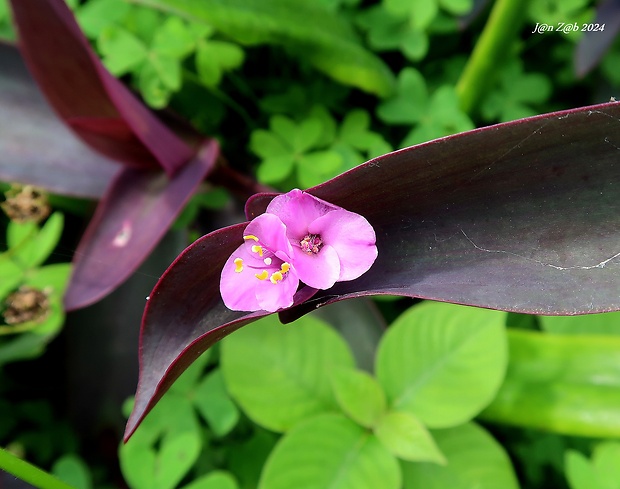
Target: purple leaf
x,y
522,216
594,44
133,216
35,147
97,106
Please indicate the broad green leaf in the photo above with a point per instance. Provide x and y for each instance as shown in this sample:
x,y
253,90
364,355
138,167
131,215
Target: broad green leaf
x,y
122,51
72,470
311,32
475,460
279,375
606,460
568,384
330,451
214,404
218,479
359,396
246,458
138,464
406,438
443,362
177,454
607,323
580,473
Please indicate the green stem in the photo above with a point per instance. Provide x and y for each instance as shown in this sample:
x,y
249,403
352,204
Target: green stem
x,y
29,473
489,52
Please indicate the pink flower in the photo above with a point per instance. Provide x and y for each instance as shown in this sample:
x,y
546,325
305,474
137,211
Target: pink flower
x,y
299,238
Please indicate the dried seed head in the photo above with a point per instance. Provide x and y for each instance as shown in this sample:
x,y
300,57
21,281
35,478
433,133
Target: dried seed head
x,y
26,304
25,203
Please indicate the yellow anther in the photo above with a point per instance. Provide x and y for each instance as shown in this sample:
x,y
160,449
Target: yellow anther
x,y
250,236
258,249
262,276
276,277
285,267
238,265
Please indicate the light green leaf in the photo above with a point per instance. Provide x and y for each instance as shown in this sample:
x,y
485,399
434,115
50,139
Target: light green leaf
x,y
333,49
214,404
11,275
275,168
218,479
475,460
605,324
266,145
564,384
307,135
406,438
173,39
443,362
279,375
31,246
606,458
177,454
95,15
330,451
122,51
316,167
154,89
138,464
410,103
580,473
359,395
72,470
213,58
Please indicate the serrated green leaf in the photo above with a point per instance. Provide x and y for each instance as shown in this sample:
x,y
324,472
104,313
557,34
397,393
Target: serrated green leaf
x,y
359,396
173,39
122,51
443,362
333,48
214,404
406,438
474,458
31,246
279,374
330,451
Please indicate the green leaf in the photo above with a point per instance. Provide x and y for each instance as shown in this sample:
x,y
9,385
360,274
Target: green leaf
x,y
314,168
605,324
474,458
266,145
565,384
173,39
214,404
306,135
213,58
218,479
138,464
359,396
275,169
410,102
580,472
72,470
31,246
155,92
330,451
406,438
443,362
606,460
279,374
177,454
333,49
96,15
11,275
122,51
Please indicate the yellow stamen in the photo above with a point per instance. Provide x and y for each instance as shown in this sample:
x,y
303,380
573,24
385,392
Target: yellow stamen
x,y
262,276
258,249
285,267
250,236
238,265
276,277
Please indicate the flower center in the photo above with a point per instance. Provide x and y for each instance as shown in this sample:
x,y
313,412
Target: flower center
x,y
311,244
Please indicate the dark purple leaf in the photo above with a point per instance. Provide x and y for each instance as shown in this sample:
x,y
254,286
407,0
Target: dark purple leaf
x,y
97,106
36,147
522,216
594,44
135,213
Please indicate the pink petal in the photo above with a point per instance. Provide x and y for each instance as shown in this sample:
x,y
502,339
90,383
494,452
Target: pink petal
x,y
353,238
297,209
272,297
238,289
271,234
320,270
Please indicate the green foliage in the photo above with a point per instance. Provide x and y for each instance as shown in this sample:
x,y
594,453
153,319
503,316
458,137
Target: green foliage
x,y
29,246
601,472
594,324
72,469
516,94
433,115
